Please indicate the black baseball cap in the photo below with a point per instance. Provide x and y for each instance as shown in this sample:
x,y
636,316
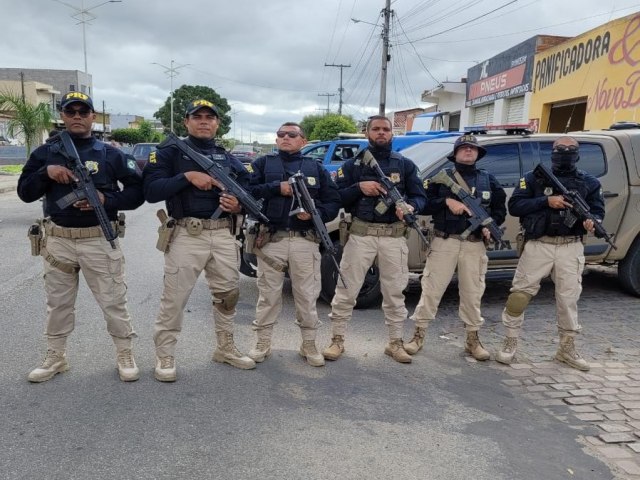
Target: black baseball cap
x,y
196,105
76,97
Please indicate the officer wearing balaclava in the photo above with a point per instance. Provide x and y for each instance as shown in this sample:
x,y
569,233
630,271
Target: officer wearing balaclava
x,y
554,246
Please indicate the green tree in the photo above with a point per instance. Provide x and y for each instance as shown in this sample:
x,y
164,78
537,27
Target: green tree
x,y
127,135
308,123
146,131
182,97
329,126
26,119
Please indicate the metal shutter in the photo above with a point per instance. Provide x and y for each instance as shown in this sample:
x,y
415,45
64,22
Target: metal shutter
x,y
515,110
483,115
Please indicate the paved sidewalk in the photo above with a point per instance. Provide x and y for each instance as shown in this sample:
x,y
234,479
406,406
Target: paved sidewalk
x,y
8,183
607,396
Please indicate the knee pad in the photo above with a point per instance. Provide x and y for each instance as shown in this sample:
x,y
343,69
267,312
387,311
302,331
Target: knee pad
x,y
516,303
225,302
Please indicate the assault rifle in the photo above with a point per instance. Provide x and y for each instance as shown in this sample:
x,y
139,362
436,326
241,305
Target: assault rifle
x,y
83,188
579,209
215,171
307,205
393,196
479,216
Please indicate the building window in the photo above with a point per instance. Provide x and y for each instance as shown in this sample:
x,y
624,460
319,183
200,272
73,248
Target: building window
x,y
72,88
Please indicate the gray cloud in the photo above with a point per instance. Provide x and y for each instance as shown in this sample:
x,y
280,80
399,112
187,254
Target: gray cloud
x,y
267,56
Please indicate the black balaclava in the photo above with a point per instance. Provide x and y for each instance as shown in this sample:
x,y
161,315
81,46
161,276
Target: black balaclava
x,y
564,158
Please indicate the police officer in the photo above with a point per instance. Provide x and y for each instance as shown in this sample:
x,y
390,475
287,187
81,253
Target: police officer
x,y
376,231
552,247
74,240
451,250
199,242
293,242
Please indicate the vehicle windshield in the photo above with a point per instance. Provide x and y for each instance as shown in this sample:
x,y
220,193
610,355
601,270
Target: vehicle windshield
x,y
243,148
429,152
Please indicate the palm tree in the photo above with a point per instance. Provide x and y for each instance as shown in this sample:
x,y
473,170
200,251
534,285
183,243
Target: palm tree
x,y
26,119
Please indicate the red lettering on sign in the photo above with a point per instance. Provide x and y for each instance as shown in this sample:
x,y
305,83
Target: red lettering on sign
x,y
625,49
497,83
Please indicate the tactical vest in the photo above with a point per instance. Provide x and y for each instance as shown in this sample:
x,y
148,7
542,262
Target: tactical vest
x,y
446,221
365,208
277,208
551,221
95,159
193,202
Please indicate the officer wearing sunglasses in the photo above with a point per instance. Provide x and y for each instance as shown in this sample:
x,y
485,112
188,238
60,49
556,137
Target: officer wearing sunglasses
x,y
293,244
554,246
74,240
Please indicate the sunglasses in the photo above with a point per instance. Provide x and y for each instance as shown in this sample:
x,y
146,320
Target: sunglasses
x,y
288,134
565,148
71,112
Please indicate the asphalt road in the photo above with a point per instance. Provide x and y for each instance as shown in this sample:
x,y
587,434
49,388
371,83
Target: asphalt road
x,y
364,416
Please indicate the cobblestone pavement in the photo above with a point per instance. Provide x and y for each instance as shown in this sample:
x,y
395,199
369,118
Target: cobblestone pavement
x,y
607,396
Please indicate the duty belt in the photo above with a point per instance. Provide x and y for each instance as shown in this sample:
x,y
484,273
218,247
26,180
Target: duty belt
x,y
559,240
207,223
470,238
362,228
74,233
281,234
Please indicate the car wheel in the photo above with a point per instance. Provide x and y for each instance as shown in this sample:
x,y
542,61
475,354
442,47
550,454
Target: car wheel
x,y
369,295
629,269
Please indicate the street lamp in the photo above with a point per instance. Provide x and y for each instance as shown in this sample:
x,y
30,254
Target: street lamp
x,y
171,72
84,16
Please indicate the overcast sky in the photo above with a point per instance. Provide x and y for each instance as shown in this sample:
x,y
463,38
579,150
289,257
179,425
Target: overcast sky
x,y
266,57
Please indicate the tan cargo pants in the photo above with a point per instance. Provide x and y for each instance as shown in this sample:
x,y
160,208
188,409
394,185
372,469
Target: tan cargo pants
x,y
103,270
358,256
447,254
215,252
303,258
565,264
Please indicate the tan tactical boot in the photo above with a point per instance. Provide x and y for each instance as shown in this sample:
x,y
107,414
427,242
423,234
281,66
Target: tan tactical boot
x,y
336,349
567,353
508,351
473,346
127,368
226,352
261,351
396,350
165,369
417,342
309,352
54,362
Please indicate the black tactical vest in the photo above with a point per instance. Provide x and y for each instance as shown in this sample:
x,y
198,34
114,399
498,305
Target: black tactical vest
x,y
277,208
365,208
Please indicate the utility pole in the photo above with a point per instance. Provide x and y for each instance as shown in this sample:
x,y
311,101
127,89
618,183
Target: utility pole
x,y
22,84
84,16
340,90
387,12
327,95
171,72
104,122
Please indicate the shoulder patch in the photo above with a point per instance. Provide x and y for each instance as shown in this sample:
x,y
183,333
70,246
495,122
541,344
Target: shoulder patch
x,y
248,167
131,164
152,157
340,173
523,184
425,183
311,180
